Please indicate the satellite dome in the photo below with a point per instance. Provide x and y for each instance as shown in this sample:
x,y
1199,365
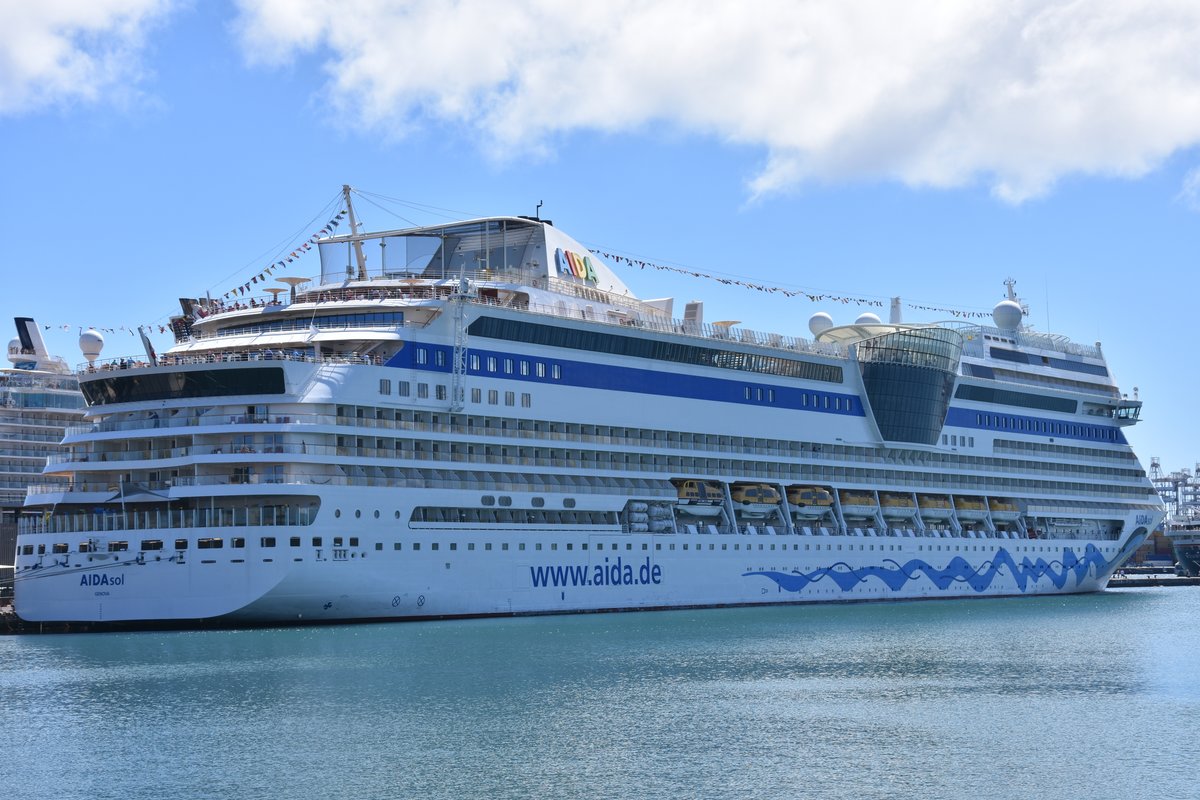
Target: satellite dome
x,y
868,319
14,346
1007,315
91,343
819,322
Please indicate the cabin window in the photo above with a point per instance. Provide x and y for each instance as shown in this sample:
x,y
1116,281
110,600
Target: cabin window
x,y
423,390
422,355
476,395
440,391
439,358
266,541
385,386
510,398
526,400
403,389
180,544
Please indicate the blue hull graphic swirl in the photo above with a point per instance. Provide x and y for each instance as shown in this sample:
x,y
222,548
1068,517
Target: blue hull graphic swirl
x,y
1026,573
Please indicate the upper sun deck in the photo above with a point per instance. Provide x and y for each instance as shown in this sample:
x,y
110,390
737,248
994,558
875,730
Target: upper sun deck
x,y
517,247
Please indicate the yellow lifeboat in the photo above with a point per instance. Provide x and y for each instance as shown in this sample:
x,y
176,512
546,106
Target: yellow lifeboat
x,y
1003,509
754,499
857,503
809,501
970,507
934,506
895,504
700,498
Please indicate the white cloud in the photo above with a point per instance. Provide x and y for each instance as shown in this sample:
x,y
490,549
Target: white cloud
x,y
928,93
61,51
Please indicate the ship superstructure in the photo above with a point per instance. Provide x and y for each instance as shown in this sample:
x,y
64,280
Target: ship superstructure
x,y
480,418
1180,492
39,398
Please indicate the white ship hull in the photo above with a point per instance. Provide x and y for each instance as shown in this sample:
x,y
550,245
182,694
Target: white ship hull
x,y
584,572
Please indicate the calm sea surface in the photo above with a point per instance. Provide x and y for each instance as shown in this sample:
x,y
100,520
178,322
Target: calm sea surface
x,y
1092,696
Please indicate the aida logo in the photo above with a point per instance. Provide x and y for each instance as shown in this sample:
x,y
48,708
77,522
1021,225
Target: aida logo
x,y
569,263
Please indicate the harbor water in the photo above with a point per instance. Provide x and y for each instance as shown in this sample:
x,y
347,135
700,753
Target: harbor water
x,y
1048,697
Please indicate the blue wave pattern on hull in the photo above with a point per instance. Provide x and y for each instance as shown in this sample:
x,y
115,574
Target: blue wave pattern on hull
x,y
958,570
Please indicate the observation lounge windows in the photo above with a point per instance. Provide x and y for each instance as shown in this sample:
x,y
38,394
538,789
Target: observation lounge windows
x,y
653,349
183,384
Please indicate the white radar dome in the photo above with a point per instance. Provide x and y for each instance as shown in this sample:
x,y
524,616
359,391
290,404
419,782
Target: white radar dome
x,y
14,347
91,343
867,319
1007,315
819,322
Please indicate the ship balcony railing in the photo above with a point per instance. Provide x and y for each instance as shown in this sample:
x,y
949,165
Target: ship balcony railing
x,y
163,519
306,325
618,462
98,486
226,357
493,483
212,419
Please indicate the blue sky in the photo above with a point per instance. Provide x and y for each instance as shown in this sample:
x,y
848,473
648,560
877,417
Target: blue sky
x,y
153,149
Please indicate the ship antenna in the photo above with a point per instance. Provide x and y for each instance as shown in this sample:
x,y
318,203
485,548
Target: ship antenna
x,y
537,212
1010,283
358,252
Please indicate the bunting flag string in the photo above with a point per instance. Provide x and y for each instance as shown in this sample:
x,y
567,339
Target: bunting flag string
x,y
130,329
294,255
861,301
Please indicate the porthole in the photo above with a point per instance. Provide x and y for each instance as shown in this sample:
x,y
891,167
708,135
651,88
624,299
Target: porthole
x,y
357,513
376,513
337,512
505,500
397,515
538,502
568,502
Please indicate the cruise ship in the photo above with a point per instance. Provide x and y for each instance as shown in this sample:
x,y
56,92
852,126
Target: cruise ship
x,y
480,418
39,398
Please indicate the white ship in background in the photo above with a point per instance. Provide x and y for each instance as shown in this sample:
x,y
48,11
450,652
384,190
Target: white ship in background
x,y
39,398
479,418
